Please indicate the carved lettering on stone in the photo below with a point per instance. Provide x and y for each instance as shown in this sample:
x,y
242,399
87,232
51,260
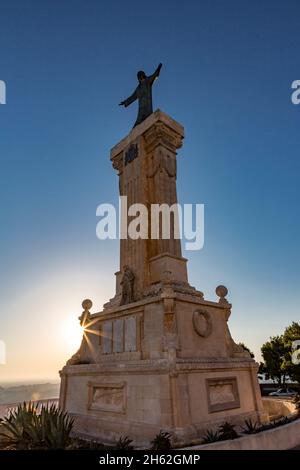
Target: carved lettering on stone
x,y
107,337
118,336
131,154
130,334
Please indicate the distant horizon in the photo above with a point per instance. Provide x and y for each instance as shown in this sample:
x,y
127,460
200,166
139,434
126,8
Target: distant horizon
x,y
33,381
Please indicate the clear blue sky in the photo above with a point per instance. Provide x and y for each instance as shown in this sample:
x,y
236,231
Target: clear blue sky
x,y
227,72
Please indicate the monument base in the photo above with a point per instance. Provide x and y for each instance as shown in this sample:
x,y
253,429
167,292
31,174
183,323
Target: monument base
x,y
166,362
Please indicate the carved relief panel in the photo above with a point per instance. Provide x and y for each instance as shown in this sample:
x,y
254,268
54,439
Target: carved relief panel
x,y
107,397
222,394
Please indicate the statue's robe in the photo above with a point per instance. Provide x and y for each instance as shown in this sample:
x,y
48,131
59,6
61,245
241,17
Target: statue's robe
x,y
143,93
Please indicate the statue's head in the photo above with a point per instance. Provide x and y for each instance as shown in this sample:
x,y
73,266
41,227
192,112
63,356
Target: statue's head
x,y
141,75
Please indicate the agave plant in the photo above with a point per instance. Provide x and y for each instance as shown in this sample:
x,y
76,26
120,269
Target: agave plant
x,y
28,427
162,441
124,443
54,427
210,436
250,427
227,431
16,426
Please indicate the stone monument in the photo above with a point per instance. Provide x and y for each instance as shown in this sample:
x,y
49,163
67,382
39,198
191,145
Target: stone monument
x,y
159,355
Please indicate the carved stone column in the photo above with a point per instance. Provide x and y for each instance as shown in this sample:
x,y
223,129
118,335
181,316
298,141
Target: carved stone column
x,y
146,164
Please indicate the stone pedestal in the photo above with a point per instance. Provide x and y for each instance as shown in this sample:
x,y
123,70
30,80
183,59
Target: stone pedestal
x,y
159,357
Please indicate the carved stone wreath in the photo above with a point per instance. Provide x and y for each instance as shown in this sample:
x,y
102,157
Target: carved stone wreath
x,y
202,323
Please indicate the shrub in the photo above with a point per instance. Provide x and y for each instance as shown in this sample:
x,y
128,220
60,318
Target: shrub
x,y
17,426
210,436
27,427
250,427
276,423
162,441
227,431
124,443
54,427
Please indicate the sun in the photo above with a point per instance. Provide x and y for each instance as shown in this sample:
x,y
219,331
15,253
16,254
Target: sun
x,y
71,332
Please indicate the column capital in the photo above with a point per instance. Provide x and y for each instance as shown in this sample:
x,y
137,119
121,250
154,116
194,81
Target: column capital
x,y
157,129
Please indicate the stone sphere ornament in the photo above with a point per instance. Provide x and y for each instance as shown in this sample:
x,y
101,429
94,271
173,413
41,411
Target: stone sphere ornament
x,y
87,304
221,291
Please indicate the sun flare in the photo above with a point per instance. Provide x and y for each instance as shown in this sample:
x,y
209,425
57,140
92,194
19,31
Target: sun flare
x,y
71,333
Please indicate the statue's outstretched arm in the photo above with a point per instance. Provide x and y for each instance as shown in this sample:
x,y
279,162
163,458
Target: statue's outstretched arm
x,y
155,74
129,100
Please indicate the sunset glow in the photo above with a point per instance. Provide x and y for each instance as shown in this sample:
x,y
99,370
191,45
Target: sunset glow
x,y
71,333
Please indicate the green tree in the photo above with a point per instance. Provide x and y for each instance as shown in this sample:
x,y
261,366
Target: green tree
x,y
291,334
275,353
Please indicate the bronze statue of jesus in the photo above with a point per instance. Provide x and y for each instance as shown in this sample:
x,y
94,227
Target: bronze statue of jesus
x,y
143,93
